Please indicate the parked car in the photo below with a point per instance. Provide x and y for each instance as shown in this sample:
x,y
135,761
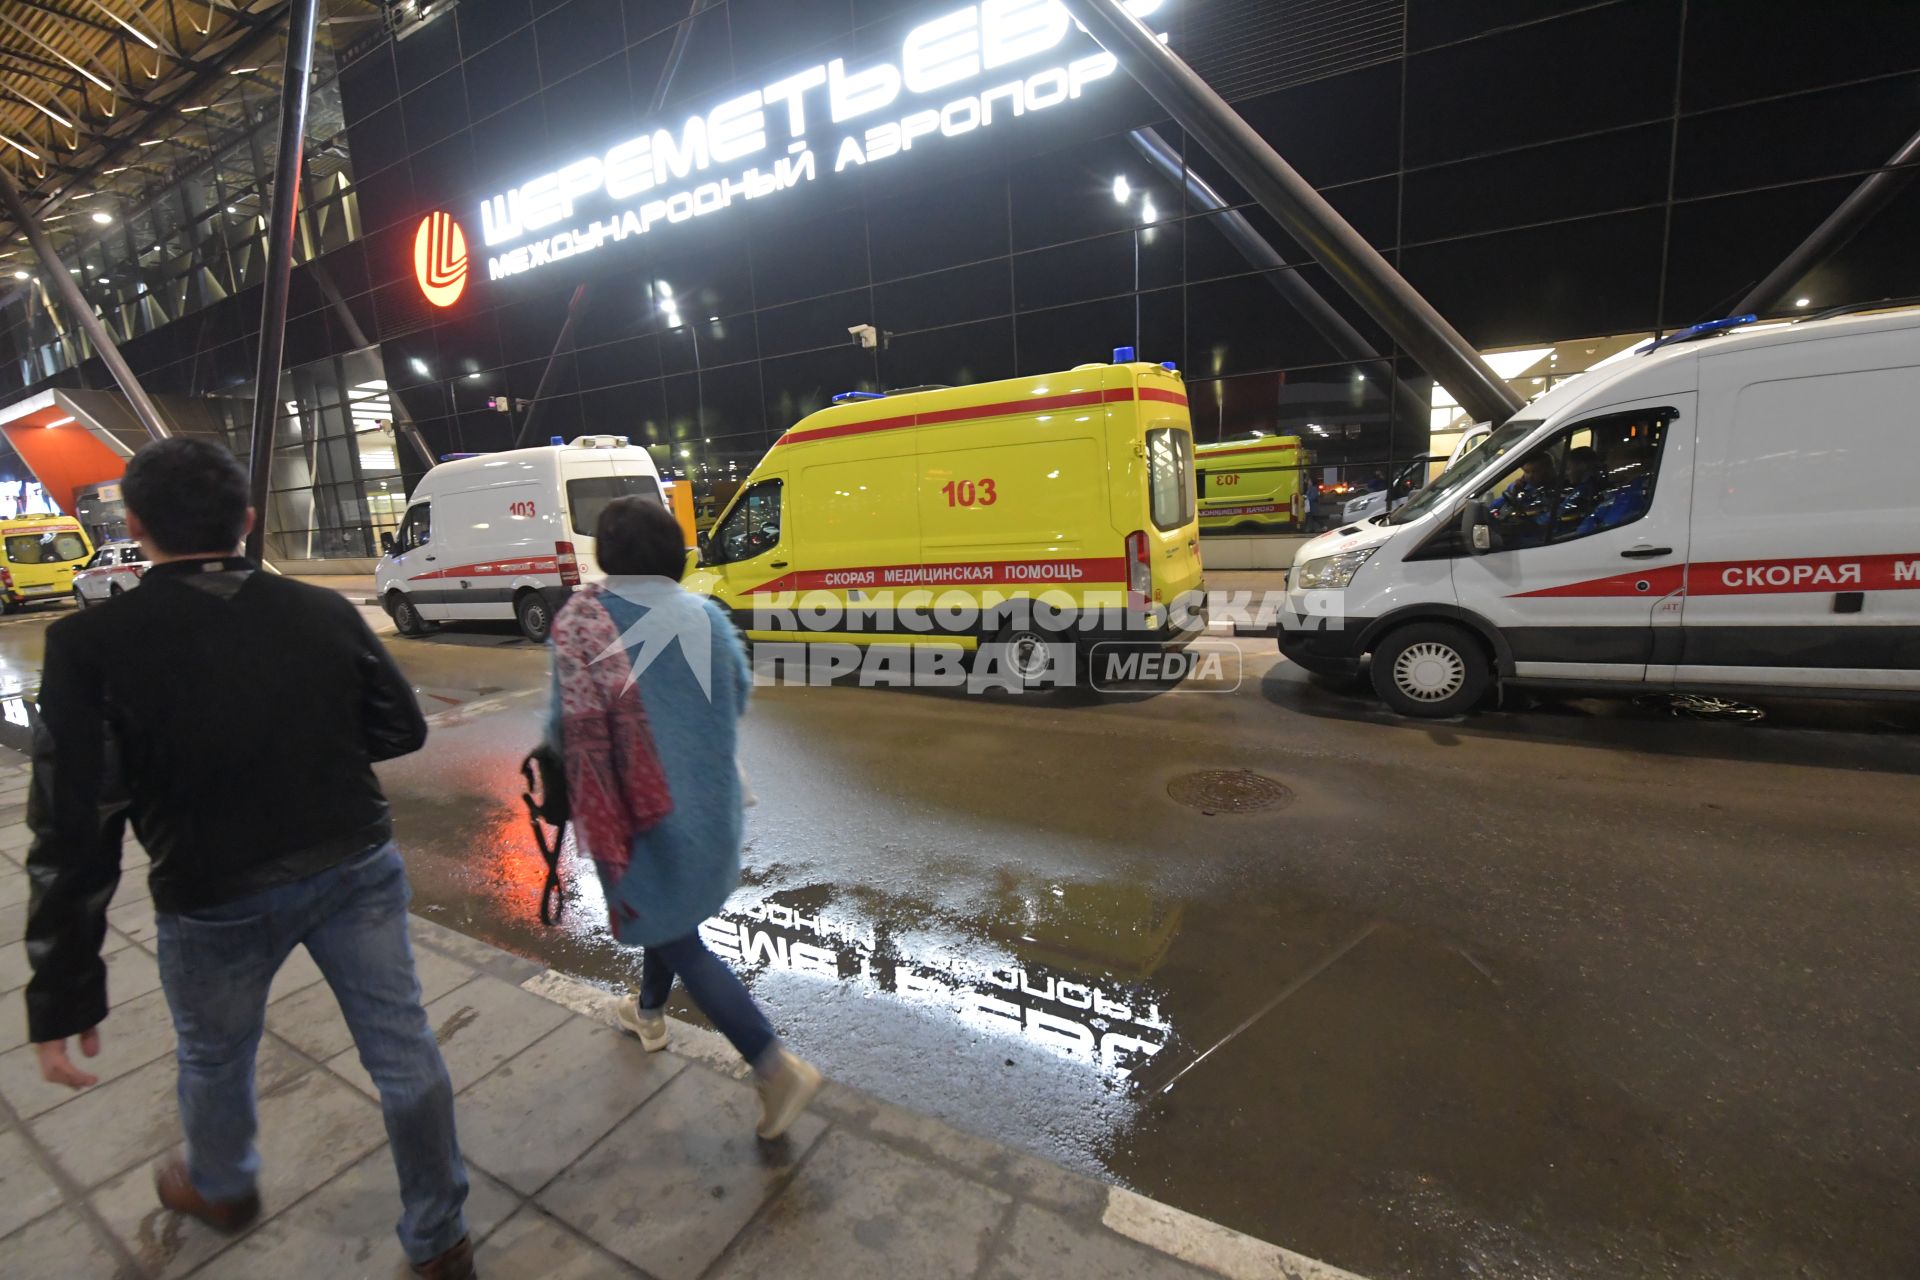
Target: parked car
x,y
115,568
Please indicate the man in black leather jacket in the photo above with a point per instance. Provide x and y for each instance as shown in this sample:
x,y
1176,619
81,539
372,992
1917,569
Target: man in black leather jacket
x,y
234,717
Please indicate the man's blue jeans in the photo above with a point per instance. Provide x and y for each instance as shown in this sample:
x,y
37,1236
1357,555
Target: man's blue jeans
x,y
217,965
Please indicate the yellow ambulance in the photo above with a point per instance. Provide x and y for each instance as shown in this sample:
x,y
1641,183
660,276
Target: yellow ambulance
x,y
41,553
949,516
1252,486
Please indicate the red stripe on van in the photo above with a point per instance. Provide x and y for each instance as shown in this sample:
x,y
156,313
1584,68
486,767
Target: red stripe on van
x,y
1201,459
1897,572
963,573
494,569
977,412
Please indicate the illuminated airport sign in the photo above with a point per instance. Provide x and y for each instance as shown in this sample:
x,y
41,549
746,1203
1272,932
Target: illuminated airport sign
x,y
984,64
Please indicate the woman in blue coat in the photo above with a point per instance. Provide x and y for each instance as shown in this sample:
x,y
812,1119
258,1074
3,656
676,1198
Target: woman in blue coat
x,y
649,686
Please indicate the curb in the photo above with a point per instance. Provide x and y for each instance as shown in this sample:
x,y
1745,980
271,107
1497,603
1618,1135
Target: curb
x,y
1171,1232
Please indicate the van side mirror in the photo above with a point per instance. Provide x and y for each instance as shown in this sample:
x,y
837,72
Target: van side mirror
x,y
386,544
1475,529
702,546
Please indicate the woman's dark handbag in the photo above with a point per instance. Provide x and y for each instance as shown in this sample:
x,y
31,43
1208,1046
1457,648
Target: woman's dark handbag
x,y
546,797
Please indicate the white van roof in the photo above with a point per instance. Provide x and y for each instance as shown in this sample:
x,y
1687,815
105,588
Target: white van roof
x,y
1680,349
477,465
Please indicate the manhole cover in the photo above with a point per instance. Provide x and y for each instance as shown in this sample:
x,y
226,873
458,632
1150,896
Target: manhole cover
x,y
1229,791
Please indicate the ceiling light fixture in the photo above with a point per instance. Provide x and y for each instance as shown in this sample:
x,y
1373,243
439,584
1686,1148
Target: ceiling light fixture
x,y
102,217
137,34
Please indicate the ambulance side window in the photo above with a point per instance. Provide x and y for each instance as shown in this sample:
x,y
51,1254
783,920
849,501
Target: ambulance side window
x,y
753,526
416,530
1593,476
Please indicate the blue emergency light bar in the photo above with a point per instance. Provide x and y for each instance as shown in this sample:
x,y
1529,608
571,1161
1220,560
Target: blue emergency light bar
x,y
1123,355
1706,328
841,397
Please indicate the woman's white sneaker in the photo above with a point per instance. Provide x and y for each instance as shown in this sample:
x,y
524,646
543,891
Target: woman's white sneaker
x,y
649,1024
785,1092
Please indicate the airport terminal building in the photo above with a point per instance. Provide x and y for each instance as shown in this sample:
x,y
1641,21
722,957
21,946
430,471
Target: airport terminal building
x,y
694,224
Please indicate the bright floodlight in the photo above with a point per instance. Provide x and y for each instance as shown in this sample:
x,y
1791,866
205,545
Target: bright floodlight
x,y
1121,189
1147,212
101,217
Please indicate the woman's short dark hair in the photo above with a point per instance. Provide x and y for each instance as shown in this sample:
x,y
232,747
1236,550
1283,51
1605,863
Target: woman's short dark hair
x,y
639,537
190,495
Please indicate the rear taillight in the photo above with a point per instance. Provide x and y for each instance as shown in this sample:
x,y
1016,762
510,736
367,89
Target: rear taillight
x,y
1139,570
568,564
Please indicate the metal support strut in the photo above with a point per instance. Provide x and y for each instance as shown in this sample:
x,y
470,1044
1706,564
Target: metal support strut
x,y
1839,227
279,274
1306,216
76,303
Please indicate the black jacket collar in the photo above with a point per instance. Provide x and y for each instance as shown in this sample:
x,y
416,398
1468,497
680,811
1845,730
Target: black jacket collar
x,y
212,564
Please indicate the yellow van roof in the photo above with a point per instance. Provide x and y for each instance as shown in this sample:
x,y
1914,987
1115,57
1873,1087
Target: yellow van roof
x,y
1053,392
1227,448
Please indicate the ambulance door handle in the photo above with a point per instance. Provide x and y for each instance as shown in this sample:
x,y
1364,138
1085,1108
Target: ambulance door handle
x,y
776,564
1645,553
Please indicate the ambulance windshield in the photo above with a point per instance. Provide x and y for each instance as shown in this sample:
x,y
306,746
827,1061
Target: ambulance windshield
x,y
1465,468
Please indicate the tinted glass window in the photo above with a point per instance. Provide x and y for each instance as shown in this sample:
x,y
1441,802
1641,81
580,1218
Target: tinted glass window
x,y
588,496
45,548
1170,477
416,530
1593,476
753,526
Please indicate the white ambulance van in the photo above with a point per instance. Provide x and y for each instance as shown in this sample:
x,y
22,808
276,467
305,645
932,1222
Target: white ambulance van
x,y
506,536
1734,510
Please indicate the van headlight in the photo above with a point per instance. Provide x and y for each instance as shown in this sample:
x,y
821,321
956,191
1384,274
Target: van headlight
x,y
1331,573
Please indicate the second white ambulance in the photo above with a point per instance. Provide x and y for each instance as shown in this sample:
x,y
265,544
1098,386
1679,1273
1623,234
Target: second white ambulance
x,y
506,536
1736,510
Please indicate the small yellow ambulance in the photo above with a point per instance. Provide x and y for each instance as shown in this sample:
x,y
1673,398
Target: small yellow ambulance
x,y
41,553
940,516
1252,486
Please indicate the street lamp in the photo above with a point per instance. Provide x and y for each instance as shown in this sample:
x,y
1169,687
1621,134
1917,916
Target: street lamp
x,y
670,311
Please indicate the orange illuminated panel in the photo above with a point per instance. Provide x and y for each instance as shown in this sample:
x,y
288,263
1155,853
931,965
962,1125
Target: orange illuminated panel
x,y
63,458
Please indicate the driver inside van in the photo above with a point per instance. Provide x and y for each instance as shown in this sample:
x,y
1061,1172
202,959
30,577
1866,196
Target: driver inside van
x,y
1526,506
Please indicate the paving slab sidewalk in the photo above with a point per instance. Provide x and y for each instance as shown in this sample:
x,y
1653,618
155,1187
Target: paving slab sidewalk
x,y
588,1157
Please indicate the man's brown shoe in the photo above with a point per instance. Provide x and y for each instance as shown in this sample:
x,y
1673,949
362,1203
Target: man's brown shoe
x,y
177,1193
455,1264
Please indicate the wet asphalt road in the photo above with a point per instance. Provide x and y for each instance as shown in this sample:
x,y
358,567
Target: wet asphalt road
x,y
1575,990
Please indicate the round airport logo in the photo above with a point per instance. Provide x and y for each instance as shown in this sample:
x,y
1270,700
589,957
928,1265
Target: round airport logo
x,y
440,259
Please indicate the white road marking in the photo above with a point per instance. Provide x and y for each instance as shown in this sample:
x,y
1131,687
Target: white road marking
x,y
1218,1249
1319,967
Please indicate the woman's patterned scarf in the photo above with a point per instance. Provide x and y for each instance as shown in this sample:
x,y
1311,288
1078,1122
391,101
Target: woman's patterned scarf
x,y
615,784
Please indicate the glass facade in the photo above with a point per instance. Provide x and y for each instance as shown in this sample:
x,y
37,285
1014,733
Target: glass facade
x,y
1543,173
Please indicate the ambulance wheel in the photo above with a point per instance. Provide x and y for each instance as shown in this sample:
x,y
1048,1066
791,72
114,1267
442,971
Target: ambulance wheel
x,y
1430,670
79,600
1028,657
115,589
406,619
535,616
